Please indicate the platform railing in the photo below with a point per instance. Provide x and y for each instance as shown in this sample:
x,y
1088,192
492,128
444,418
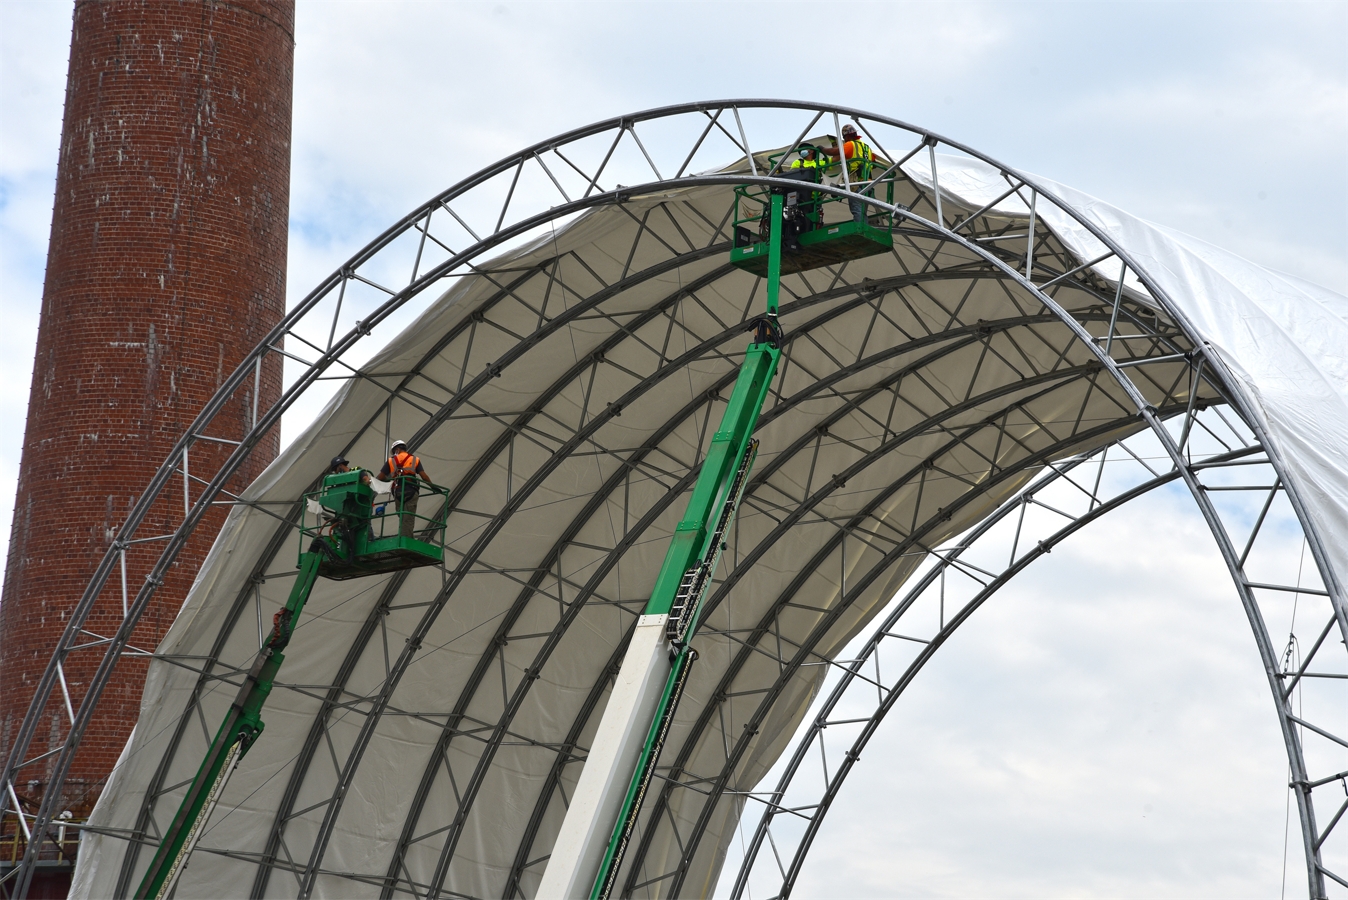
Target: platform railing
x,y
60,846
386,517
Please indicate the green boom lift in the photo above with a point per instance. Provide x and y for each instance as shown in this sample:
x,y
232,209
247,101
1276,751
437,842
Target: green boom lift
x,y
346,540
778,230
817,227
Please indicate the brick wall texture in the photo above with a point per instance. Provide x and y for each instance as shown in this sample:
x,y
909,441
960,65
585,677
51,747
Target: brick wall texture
x,y
166,266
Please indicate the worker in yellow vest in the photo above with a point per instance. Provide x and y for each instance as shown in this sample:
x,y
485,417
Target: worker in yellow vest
x,y
860,160
809,158
403,469
802,206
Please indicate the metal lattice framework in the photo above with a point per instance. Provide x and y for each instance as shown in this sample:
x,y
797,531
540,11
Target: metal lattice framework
x,y
1069,339
961,578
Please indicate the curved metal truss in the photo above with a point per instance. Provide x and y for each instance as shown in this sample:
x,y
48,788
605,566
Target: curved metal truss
x,y
961,578
1144,352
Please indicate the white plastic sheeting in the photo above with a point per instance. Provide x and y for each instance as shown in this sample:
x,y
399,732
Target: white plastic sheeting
x,y
427,730
1283,338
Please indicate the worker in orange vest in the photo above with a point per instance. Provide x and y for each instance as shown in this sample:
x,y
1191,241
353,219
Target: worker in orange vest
x,y
859,159
403,469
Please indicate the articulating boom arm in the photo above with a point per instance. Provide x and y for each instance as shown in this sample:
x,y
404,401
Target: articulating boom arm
x,y
242,725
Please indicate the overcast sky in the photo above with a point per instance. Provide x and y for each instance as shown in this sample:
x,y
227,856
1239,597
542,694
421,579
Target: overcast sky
x,y
1007,774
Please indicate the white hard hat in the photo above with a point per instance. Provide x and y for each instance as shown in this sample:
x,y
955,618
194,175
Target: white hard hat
x,y
396,444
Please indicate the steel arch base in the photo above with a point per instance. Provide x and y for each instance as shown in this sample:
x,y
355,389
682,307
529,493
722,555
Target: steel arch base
x,y
1041,272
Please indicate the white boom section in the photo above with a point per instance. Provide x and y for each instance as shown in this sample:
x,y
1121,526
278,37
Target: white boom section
x,y
608,769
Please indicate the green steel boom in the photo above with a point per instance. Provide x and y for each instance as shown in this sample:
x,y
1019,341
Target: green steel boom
x,y
242,725
792,234
344,545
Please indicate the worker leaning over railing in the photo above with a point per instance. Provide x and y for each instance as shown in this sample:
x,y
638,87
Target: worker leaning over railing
x,y
340,465
403,469
860,159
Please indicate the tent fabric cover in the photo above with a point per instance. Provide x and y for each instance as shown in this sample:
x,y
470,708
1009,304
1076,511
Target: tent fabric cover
x,y
893,426
1284,338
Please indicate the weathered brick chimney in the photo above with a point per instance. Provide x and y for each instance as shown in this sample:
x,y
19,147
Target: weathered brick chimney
x,y
166,266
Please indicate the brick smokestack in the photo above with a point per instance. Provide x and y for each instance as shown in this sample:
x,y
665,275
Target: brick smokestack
x,y
166,266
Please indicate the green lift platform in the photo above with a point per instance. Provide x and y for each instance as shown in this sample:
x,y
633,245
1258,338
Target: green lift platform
x,y
349,536
347,502
818,228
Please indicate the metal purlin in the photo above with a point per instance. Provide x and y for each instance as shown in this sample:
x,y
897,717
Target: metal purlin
x,y
418,220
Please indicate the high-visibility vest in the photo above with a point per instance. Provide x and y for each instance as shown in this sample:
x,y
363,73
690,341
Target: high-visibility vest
x,y
814,166
859,158
859,161
402,464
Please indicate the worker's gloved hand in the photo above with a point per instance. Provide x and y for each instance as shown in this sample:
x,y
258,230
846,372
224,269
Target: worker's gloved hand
x,y
379,510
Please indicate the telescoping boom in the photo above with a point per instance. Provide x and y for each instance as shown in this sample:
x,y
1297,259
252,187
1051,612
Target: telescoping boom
x,y
786,225
687,573
607,802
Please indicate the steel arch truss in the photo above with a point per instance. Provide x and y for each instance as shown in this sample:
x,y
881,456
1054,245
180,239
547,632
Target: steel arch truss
x,y
961,577
977,354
